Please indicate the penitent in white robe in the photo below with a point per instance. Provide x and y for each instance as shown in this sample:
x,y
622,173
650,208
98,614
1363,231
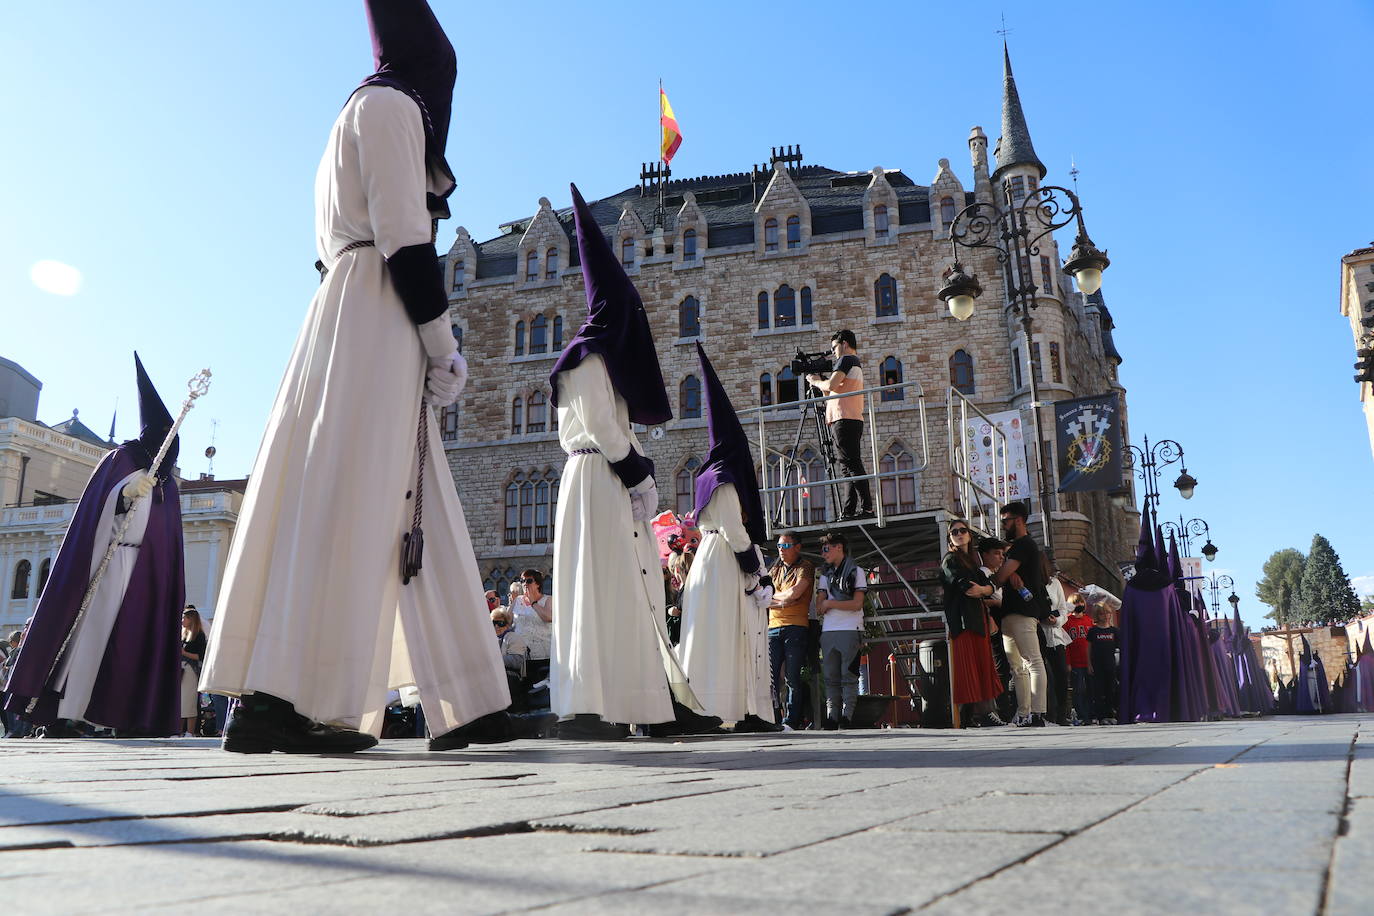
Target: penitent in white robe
x,y
724,645
312,609
611,653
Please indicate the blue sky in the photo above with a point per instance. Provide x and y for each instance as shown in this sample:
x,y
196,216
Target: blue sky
x,y
167,151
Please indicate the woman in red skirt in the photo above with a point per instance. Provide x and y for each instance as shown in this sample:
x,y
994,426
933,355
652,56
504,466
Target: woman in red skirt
x,y
976,685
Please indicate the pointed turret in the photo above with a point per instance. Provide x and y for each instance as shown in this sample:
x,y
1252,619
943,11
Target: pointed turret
x,y
1014,146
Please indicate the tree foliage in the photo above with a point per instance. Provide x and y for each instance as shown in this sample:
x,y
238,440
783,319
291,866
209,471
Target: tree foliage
x,y
1279,587
1325,594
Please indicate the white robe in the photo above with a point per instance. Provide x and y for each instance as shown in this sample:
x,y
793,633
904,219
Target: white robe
x,y
80,665
611,653
724,646
312,609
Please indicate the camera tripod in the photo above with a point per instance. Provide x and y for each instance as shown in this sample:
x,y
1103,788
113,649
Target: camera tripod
x,y
810,409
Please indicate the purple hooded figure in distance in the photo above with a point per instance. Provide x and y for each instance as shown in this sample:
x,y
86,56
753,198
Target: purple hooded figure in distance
x,y
724,644
119,664
1147,637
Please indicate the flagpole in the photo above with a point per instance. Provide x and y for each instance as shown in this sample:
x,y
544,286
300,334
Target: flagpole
x,y
663,166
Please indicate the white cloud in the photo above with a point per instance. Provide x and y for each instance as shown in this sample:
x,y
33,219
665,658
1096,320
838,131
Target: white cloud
x,y
56,278
1364,585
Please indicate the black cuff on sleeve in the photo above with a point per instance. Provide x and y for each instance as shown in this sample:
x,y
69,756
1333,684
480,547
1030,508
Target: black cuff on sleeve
x,y
748,560
419,281
633,469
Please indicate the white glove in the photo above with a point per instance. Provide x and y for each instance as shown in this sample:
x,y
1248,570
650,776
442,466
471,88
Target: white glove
x,y
644,500
139,487
447,377
762,597
436,337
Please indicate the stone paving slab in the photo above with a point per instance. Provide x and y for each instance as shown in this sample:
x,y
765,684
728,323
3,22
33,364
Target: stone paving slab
x,y
1273,816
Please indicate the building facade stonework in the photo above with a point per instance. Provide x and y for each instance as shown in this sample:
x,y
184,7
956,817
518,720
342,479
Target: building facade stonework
x,y
756,265
1357,305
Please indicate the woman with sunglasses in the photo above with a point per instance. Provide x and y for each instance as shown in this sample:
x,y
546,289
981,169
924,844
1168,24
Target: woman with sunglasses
x,y
532,616
976,685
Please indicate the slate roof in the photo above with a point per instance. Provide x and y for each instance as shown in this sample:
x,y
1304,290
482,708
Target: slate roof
x,y
1108,345
1014,147
78,430
727,203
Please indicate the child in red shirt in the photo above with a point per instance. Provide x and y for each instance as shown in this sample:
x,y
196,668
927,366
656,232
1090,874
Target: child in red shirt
x,y
1077,627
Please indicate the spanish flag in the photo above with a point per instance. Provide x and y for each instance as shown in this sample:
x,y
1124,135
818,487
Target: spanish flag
x,y
672,137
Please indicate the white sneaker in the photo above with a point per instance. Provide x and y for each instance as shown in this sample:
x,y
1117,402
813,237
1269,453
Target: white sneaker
x,y
787,728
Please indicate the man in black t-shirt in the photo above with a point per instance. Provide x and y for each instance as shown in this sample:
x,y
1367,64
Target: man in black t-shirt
x,y
1022,580
845,418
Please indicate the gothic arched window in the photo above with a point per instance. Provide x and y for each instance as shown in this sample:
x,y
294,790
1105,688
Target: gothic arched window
x,y
793,232
689,397
765,390
520,338
788,392
21,580
534,413
784,307
44,569
460,275
689,245
684,486
890,373
885,296
880,221
689,318
458,337
961,372
806,315
770,234
539,335
899,492
558,332
947,212
517,415
532,266
815,495
551,264
763,311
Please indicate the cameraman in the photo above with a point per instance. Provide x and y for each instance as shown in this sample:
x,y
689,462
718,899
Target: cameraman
x,y
845,417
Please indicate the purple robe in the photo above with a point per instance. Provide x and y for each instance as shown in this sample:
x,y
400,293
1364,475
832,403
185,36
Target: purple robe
x,y
137,688
1147,621
1364,677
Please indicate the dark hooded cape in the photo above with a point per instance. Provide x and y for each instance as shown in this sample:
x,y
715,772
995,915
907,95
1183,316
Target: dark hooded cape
x,y
617,327
1147,620
728,459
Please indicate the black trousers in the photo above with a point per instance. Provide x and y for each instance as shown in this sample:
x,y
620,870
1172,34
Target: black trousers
x,y
848,435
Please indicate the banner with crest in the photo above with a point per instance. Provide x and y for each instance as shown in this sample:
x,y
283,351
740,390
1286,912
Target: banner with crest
x,y
1088,443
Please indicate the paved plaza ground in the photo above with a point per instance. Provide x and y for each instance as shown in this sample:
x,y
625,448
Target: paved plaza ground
x,y
1258,816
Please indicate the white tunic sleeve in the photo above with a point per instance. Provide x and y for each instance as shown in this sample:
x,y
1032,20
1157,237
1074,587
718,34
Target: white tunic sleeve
x,y
727,512
587,391
391,156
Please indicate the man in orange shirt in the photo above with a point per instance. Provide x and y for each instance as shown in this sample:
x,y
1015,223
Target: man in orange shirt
x,y
794,586
845,417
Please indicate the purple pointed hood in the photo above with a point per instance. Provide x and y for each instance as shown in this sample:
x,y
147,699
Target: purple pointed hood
x,y
1366,647
1151,573
155,422
1175,564
728,460
617,327
411,53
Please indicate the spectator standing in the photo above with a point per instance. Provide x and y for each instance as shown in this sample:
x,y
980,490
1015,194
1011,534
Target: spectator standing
x,y
845,417
1024,602
993,551
794,589
192,653
1054,647
976,686
1080,664
841,607
14,724
1102,646
532,616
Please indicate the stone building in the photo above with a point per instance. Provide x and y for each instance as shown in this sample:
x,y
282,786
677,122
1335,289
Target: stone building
x,y
1357,305
757,265
43,472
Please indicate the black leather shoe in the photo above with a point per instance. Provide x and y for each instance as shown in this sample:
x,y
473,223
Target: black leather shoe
x,y
752,723
831,725
493,728
264,724
583,727
686,722
845,723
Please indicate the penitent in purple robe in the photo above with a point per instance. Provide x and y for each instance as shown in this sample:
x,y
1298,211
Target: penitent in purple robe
x,y
1147,621
1364,677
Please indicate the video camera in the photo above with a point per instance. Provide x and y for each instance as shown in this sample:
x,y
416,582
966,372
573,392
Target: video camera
x,y
804,364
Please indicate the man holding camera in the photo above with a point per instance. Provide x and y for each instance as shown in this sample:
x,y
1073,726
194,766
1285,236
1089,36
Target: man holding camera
x,y
845,418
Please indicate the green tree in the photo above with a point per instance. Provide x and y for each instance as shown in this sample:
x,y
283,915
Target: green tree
x,y
1325,594
1279,587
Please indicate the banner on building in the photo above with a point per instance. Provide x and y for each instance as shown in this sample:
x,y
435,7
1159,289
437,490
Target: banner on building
x,y
1088,443
980,446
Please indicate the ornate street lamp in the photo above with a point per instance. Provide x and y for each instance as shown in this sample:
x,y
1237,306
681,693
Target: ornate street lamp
x,y
1215,584
1235,602
1186,531
1148,462
1015,229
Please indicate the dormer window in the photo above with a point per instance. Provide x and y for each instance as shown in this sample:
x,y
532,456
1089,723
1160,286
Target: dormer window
x,y
459,275
1018,188
689,245
793,232
627,251
947,212
531,267
551,264
880,221
770,234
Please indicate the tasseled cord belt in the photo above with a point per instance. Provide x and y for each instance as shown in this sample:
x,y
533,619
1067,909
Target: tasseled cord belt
x,y
351,246
585,451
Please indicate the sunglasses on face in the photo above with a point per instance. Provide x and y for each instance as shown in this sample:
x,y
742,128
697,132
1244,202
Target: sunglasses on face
x,y
500,623
530,581
958,531
825,547
785,545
